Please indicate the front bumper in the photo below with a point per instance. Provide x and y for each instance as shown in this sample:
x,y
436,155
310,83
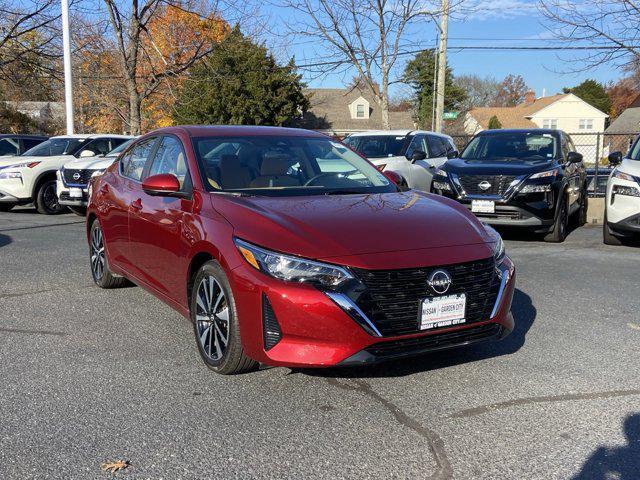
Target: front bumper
x,y
65,198
316,332
14,191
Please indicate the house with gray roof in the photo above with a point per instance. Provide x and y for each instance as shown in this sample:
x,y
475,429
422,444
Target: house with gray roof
x,y
342,111
628,121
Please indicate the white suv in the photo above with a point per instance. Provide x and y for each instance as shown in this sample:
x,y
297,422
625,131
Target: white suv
x,y
31,177
413,154
622,207
73,178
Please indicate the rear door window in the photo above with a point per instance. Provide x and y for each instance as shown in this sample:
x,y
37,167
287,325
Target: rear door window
x,y
8,146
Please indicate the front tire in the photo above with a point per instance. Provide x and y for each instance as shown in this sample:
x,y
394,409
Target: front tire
x,y
80,211
5,207
584,208
560,226
102,275
607,237
215,322
47,199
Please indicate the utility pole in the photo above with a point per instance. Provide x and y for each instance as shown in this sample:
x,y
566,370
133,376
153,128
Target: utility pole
x,y
68,80
442,65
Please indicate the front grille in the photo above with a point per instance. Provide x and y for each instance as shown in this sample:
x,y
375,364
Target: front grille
x,y
393,297
85,176
499,184
434,342
270,326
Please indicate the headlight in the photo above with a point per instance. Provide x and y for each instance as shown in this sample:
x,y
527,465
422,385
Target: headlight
x,y
624,190
498,245
292,269
8,175
441,186
97,173
623,176
536,188
440,173
545,174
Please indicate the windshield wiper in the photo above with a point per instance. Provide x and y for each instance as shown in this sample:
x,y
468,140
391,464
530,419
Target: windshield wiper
x,y
343,191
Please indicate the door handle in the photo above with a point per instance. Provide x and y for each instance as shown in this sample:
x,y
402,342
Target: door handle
x,y
136,205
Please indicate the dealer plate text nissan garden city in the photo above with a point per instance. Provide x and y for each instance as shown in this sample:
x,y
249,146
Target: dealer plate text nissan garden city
x,y
285,247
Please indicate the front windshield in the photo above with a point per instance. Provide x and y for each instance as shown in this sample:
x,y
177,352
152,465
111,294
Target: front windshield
x,y
120,148
284,166
377,146
55,146
508,146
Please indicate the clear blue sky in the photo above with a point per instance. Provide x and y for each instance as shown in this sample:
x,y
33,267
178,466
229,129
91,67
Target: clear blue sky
x,y
497,23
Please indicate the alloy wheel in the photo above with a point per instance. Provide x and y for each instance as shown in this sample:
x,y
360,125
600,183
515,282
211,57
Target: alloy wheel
x,y
212,317
50,197
97,253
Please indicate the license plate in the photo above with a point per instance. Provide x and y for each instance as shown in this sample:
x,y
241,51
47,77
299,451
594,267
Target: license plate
x,y
443,311
483,206
75,192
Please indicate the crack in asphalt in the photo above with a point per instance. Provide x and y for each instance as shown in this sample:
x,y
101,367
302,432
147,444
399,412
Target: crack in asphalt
x,y
472,412
436,444
40,226
34,332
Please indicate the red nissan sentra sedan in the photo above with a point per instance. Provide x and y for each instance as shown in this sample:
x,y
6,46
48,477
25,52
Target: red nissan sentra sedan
x,y
285,247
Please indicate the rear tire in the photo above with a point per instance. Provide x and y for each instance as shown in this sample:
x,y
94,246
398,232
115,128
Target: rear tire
x,y
5,207
102,275
47,200
80,211
215,322
608,237
560,226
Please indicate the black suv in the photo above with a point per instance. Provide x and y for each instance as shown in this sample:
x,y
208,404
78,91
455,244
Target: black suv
x,y
528,178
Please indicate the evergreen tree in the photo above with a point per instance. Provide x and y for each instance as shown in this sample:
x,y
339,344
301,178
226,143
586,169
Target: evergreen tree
x,y
419,74
241,83
594,93
494,123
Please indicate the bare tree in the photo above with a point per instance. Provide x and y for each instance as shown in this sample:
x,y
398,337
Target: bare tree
x,y
366,35
481,92
27,30
609,27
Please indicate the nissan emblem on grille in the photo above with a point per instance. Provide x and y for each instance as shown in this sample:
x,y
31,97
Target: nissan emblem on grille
x,y
439,281
76,176
484,185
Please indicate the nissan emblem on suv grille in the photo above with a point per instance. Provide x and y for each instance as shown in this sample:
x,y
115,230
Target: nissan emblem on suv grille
x,y
484,185
76,176
439,281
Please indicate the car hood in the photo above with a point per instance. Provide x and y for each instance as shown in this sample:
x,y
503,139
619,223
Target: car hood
x,y
384,160
21,159
632,167
322,227
482,167
90,163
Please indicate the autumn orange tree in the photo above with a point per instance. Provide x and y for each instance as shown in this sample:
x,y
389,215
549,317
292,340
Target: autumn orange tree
x,y
156,42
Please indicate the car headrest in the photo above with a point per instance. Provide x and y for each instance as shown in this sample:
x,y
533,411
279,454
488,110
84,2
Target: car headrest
x,y
275,164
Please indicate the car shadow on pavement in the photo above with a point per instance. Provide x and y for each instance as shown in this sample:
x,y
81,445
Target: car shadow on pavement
x,y
4,240
524,313
621,462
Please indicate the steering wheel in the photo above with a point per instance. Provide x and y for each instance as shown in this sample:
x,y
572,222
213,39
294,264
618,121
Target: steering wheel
x,y
313,179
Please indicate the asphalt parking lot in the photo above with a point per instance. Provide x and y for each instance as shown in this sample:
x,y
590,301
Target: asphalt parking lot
x,y
89,376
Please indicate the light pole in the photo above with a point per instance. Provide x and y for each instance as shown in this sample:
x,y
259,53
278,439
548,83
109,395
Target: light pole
x,y
68,80
442,66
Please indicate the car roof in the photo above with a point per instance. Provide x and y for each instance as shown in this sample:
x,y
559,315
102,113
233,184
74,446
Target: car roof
x,y
26,137
93,135
550,131
238,130
396,133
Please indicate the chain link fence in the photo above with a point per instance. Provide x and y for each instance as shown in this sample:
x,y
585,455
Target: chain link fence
x,y
594,147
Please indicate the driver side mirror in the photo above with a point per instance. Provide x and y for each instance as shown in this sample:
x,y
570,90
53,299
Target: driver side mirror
x,y
418,155
574,157
615,158
162,185
87,153
453,154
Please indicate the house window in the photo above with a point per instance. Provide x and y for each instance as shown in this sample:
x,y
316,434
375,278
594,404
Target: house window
x,y
360,111
586,124
551,123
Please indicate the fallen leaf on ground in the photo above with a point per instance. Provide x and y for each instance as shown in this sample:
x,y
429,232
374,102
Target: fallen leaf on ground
x,y
116,466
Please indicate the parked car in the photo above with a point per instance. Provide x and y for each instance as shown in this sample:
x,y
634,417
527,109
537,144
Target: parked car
x,y
277,255
73,178
622,205
31,177
597,184
13,145
526,178
414,155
